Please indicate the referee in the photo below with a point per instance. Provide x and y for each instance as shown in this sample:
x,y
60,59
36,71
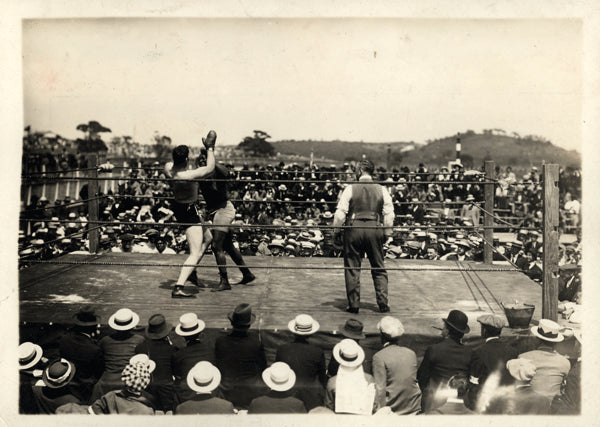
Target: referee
x,y
370,205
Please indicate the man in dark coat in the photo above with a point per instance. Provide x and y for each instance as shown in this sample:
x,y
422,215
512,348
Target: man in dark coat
x,y
240,358
31,364
280,379
79,347
203,379
159,348
489,357
444,359
56,390
306,360
196,350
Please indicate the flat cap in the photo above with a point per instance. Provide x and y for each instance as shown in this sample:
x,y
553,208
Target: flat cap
x,y
492,320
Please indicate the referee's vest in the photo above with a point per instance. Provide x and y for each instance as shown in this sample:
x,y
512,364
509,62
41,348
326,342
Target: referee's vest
x,y
366,203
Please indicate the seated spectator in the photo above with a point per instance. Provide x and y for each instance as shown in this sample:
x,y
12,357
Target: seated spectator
x,y
444,360
306,360
162,247
353,329
395,371
117,349
79,346
489,357
132,399
31,364
203,379
519,398
569,403
196,350
240,358
351,390
551,367
454,393
158,347
56,390
280,379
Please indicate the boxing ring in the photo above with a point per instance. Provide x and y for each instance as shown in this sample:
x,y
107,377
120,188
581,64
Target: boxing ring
x,y
421,292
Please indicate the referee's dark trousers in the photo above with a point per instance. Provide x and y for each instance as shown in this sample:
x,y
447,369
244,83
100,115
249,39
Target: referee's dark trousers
x,y
357,242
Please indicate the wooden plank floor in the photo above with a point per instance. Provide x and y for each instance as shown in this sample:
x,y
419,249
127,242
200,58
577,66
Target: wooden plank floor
x,y
52,293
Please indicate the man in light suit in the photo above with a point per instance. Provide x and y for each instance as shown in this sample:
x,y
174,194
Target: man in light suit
x,y
395,371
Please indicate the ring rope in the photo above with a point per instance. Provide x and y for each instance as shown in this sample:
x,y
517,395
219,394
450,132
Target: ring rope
x,y
309,267
486,287
56,172
466,278
87,230
494,217
77,202
495,249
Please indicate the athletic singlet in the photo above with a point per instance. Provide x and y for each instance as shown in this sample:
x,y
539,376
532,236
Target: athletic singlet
x,y
215,192
184,191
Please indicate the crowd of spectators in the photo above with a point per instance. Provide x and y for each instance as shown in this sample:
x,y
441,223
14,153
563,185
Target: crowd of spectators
x,y
167,369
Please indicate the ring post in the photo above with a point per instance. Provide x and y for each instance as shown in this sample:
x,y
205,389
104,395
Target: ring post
x,y
93,203
488,219
550,259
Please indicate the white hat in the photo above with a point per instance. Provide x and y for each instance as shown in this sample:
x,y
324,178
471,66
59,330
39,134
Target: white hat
x,y
521,369
29,355
189,324
303,324
390,326
123,320
279,376
143,359
547,330
348,353
204,377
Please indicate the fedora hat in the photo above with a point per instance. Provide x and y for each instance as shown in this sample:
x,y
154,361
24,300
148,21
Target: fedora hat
x,y
547,330
58,373
348,353
86,317
158,327
353,328
242,315
458,321
123,320
279,376
189,324
29,355
144,359
303,324
204,377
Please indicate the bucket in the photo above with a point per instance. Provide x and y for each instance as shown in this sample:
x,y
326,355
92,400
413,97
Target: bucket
x,y
519,318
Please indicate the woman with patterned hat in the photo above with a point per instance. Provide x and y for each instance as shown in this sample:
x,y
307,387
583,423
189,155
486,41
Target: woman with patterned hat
x,y
56,390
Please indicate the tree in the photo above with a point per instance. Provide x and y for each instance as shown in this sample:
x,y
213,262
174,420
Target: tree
x,y
162,145
257,144
92,129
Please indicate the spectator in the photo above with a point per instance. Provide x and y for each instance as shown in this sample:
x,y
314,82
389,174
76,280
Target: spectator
x,y
453,393
353,329
551,367
351,390
444,360
395,371
130,400
569,403
117,349
159,348
196,350
79,346
203,379
280,379
306,360
490,357
56,390
31,364
240,358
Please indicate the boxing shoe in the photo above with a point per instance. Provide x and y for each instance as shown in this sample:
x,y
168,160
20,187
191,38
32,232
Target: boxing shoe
x,y
178,292
384,308
223,286
353,310
246,279
194,279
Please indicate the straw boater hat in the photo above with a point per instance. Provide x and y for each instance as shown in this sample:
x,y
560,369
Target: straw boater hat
x,y
158,327
303,324
123,320
58,373
144,359
189,324
348,353
204,377
547,330
29,355
279,376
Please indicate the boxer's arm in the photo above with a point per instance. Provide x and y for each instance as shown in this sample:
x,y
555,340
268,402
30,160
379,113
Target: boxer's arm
x,y
202,171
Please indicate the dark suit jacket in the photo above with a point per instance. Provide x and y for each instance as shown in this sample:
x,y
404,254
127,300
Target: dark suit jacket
x,y
183,360
489,357
441,361
205,404
85,353
569,403
48,399
276,403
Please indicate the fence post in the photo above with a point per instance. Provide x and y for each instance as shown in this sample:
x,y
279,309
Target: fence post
x,y
550,259
93,203
488,219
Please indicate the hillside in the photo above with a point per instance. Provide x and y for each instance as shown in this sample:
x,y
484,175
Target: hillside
x,y
476,148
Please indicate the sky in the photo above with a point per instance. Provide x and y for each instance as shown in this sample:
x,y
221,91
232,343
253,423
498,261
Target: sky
x,y
376,80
